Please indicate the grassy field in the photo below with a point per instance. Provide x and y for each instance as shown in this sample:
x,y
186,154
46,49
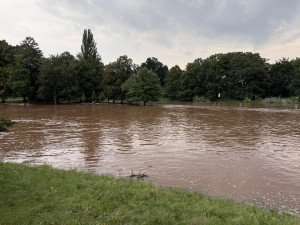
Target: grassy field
x,y
14,100
42,195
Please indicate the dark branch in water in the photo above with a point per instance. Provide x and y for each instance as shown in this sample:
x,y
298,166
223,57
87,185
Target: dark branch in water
x,y
139,176
4,124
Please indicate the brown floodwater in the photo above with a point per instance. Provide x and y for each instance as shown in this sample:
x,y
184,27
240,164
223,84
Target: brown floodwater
x,y
248,154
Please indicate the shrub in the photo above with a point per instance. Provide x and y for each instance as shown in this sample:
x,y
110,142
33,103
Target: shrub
x,y
247,100
4,124
197,98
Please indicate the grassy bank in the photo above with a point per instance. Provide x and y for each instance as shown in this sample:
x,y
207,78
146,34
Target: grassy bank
x,y
42,195
14,100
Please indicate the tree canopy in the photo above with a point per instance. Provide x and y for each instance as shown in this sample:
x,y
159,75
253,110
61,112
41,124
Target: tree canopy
x,y
25,72
157,67
144,87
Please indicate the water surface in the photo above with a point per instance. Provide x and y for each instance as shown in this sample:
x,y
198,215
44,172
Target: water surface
x,y
250,154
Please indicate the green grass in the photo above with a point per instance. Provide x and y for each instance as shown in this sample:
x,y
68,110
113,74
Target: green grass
x,y
42,195
281,101
14,100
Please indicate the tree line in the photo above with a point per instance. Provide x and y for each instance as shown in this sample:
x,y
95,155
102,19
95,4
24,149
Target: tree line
x,y
236,75
26,73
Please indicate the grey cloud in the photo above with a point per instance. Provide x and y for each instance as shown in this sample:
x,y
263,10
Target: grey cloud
x,y
253,20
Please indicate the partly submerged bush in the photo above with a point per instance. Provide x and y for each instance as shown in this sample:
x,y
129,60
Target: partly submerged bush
x,y
282,101
4,124
247,100
200,99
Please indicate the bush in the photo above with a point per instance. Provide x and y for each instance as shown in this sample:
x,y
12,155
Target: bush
x,y
101,97
4,124
200,99
247,100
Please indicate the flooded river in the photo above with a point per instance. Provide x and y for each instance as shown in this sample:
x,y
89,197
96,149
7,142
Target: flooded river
x,y
250,154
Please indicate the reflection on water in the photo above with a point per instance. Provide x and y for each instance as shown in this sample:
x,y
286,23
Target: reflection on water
x,y
242,153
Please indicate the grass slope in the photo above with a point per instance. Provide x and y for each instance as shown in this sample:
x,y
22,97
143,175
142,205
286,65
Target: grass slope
x,y
43,195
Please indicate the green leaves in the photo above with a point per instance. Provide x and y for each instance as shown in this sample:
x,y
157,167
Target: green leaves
x,y
56,77
144,86
89,67
88,47
115,76
157,67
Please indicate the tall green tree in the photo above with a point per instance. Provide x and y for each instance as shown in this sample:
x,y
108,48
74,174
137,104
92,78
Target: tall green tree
x,y
234,75
115,75
20,81
250,75
281,74
7,60
157,67
110,89
295,83
173,82
28,58
144,87
55,79
89,46
90,68
191,82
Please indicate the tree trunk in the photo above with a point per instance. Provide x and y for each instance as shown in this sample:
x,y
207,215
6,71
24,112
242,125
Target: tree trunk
x,y
54,96
144,103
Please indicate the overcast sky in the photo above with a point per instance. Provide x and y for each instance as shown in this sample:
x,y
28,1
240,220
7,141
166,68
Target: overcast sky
x,y
174,31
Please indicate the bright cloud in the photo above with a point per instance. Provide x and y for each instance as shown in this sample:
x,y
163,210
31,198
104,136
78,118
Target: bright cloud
x,y
174,31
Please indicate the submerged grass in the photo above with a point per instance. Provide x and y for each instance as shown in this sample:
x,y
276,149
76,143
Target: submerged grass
x,y
281,101
43,195
14,100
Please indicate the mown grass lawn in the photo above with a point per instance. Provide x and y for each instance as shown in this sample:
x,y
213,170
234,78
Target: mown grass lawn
x,y
43,195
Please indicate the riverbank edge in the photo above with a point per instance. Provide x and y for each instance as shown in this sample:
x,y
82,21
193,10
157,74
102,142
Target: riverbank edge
x,y
273,101
44,195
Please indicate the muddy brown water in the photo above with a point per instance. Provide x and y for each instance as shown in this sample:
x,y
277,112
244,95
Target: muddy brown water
x,y
248,154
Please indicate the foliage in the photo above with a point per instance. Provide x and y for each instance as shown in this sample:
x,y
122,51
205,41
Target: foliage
x,y
101,97
234,75
89,68
115,74
88,46
247,100
42,195
4,124
157,67
295,84
200,99
19,81
281,74
7,60
55,79
144,87
24,73
191,82
172,82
